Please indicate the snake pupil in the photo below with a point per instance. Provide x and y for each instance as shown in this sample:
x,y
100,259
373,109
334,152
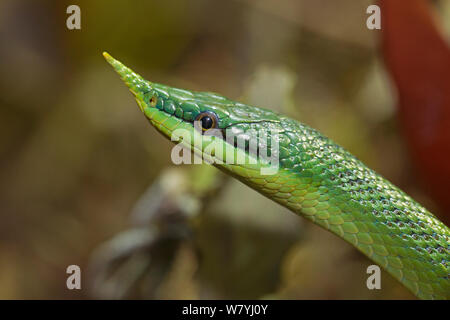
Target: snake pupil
x,y
207,122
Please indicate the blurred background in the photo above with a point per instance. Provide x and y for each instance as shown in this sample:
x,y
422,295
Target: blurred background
x,y
85,180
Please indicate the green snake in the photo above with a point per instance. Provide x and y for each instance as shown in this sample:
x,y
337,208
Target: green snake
x,y
316,178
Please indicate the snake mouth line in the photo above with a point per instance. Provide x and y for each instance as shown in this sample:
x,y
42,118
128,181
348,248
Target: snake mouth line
x,y
213,156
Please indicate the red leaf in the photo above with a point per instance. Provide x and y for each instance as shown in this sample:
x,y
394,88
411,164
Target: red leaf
x,y
418,59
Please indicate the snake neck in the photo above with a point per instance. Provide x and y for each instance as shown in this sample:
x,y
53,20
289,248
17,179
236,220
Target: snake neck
x,y
324,183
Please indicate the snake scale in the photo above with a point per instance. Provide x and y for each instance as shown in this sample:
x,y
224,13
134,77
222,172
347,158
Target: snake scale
x,y
316,179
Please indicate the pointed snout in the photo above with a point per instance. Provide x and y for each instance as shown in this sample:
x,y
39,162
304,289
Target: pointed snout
x,y
134,81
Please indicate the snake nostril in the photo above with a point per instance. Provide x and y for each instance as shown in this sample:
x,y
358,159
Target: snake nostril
x,y
153,100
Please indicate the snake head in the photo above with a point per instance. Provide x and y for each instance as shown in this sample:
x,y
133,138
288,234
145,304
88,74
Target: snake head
x,y
188,116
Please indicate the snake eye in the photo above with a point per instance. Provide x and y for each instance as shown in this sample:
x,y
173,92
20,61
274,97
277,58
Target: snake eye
x,y
153,100
208,120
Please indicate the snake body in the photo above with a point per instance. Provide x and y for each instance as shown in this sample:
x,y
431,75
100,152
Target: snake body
x,y
316,179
